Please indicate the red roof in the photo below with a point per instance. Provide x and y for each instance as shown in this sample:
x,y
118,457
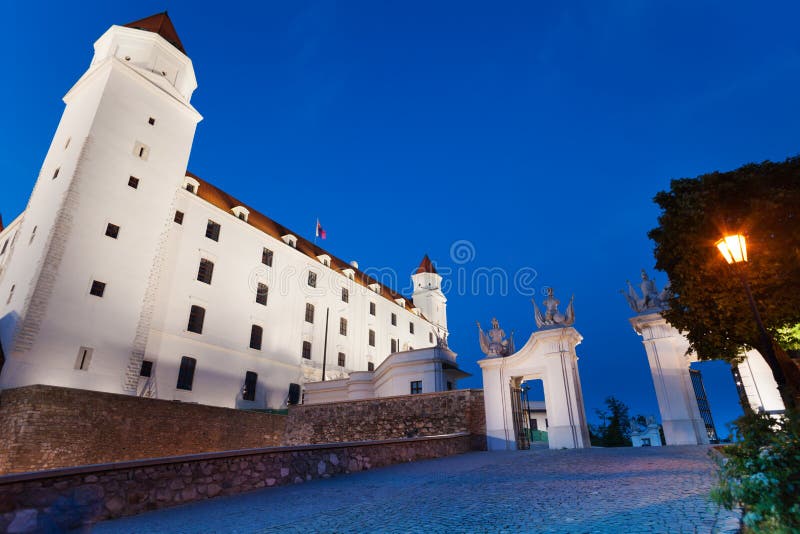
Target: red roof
x,y
160,24
426,266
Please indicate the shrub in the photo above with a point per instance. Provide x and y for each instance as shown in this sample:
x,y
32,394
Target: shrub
x,y
761,473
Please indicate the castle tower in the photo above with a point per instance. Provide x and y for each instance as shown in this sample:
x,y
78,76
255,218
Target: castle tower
x,y
428,296
80,280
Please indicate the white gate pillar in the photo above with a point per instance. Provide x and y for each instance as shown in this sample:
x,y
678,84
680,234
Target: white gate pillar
x,y
669,364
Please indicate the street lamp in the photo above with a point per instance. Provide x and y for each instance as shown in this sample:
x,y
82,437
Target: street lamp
x,y
734,249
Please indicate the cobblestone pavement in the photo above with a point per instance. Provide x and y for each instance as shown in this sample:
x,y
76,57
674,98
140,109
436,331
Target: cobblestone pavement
x,y
657,489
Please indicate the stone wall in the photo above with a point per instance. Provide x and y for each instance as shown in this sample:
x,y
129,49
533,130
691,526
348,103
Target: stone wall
x,y
429,414
45,427
68,498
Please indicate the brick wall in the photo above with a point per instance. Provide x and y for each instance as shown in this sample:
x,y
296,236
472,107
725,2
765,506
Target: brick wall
x,y
428,414
45,427
69,498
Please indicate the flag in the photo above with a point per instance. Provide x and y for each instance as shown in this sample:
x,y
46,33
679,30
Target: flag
x,y
320,231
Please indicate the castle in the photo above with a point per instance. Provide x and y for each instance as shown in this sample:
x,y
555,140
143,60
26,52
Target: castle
x,y
125,273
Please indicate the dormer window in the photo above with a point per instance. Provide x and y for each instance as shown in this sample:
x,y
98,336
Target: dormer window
x,y
401,302
375,287
349,273
290,240
324,259
415,311
191,185
241,212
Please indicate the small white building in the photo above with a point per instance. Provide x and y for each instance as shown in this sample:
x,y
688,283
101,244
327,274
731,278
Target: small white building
x,y
537,415
647,436
412,372
127,274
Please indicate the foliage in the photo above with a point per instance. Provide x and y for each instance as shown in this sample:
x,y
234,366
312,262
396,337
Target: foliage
x,y
615,431
761,472
763,202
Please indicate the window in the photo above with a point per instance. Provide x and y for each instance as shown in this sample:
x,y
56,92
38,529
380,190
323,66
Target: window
x,y
372,338
55,173
191,188
394,319
430,337
307,350
416,387
151,121
178,217
5,245
256,333
372,308
112,230
66,145
341,359
147,368
266,257
343,326
345,295
141,151
261,294
196,317
410,327
450,388
294,394
312,279
33,234
133,182
394,346
370,366
309,313
98,288
205,271
186,373
242,216
84,358
250,382
212,230
11,293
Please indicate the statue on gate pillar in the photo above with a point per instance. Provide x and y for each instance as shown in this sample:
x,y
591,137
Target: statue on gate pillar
x,y
651,298
494,342
552,317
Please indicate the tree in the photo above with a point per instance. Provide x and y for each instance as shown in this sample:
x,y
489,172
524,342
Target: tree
x,y
615,431
762,201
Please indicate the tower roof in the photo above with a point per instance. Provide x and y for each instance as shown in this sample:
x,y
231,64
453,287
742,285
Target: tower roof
x,y
161,24
426,266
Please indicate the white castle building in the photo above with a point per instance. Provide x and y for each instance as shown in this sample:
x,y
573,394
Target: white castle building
x,y
127,274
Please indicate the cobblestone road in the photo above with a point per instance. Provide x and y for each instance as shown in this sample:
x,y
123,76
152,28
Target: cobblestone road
x,y
658,489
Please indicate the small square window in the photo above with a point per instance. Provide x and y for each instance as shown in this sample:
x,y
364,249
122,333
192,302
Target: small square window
x,y
345,295
190,188
410,328
372,308
186,373
197,316
250,383
430,337
151,121
416,387
55,173
309,313
205,271
341,359
133,182
372,338
212,230
147,368
394,319
343,326
370,366
112,230
266,257
98,288
178,217
262,292
312,279
66,145
256,333
307,350
394,346
84,358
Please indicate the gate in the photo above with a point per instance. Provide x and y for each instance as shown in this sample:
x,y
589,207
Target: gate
x,y
521,419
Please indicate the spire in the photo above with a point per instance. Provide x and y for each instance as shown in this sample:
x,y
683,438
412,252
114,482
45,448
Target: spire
x,y
426,266
160,24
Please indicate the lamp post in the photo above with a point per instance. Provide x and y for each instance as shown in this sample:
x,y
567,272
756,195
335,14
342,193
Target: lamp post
x,y
734,249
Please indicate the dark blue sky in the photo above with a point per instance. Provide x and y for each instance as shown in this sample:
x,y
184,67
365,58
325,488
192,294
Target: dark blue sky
x,y
537,131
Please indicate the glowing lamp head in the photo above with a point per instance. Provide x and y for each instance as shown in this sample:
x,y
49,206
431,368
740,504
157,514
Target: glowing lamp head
x,y
733,248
